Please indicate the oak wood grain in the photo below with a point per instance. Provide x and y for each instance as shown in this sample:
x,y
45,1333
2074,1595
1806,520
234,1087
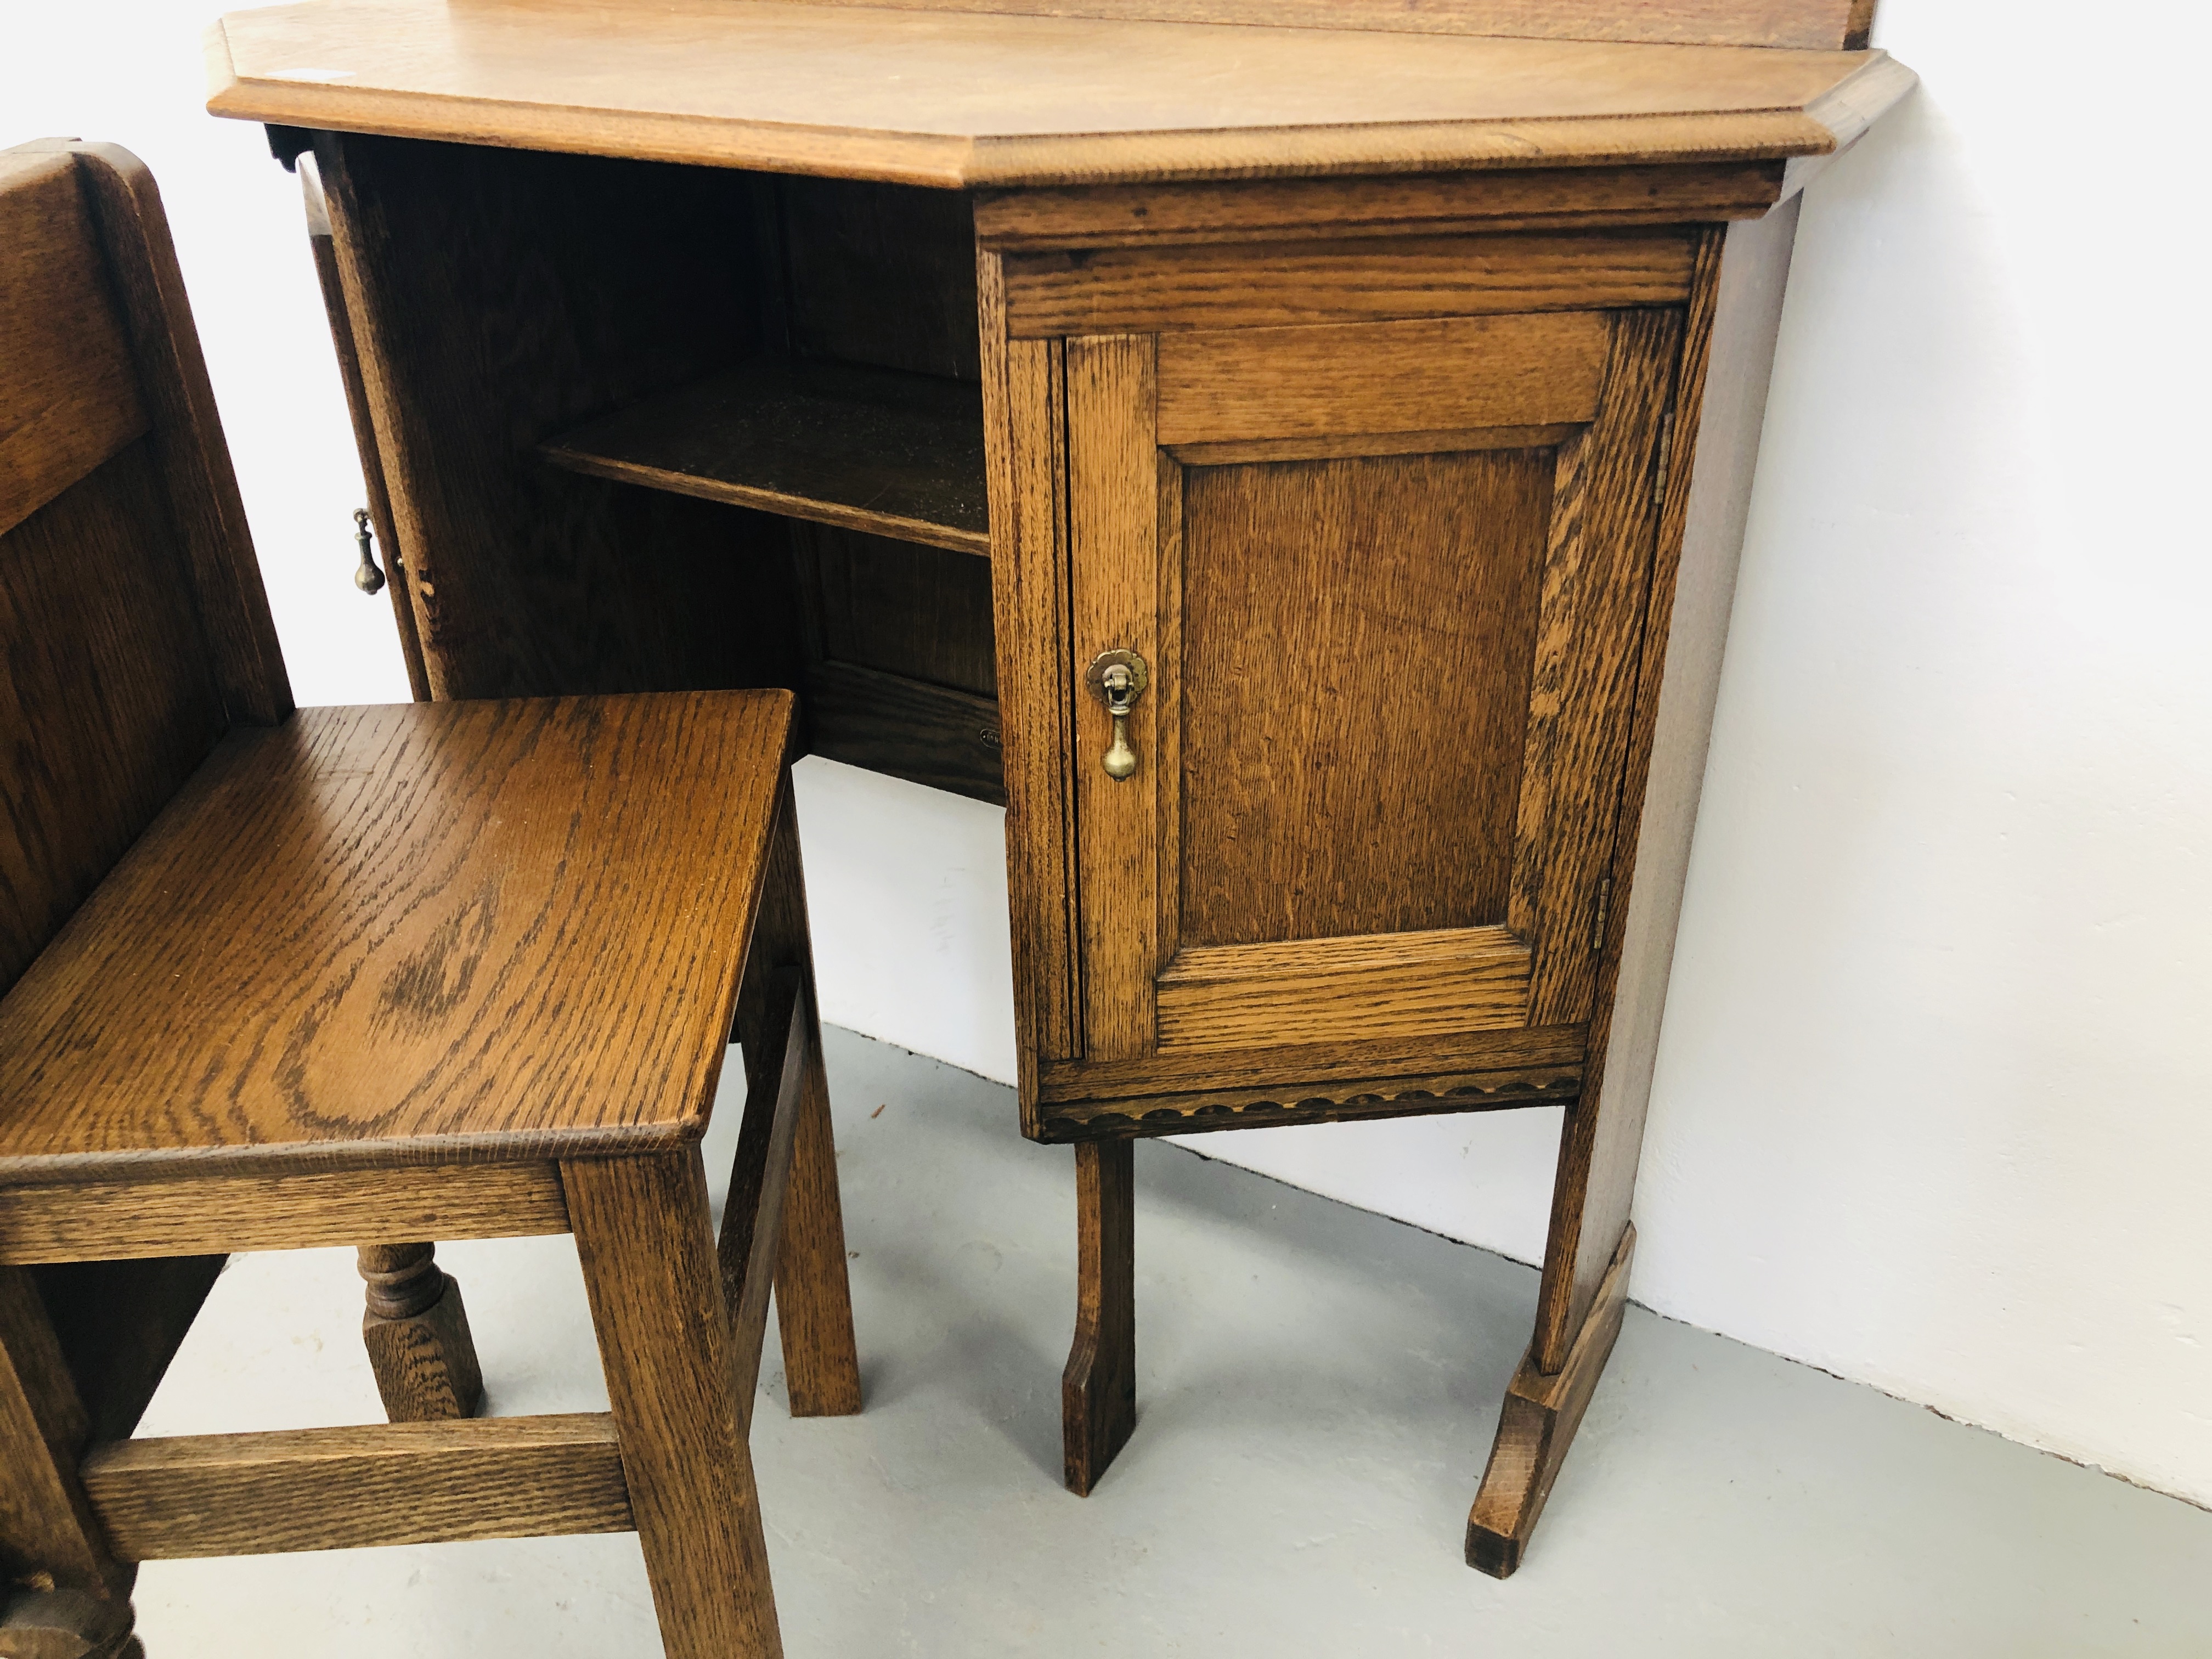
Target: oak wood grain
x,y
1024,436
1556,1049
1381,985
289,1208
813,1295
1728,356
66,1624
421,881
1340,1101
416,1328
900,661
112,706
1837,24
1283,283
398,585
1848,110
1320,799
906,728
1542,1412
498,298
68,389
1220,384
900,667
207,516
1329,446
1113,536
47,1529
875,450
922,613
752,1217
1098,1389
1582,687
358,1488
951,100
1273,209
119,1323
664,1327
1170,668
881,274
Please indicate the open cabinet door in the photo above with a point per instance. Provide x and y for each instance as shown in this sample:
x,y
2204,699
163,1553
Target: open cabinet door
x,y
1377,588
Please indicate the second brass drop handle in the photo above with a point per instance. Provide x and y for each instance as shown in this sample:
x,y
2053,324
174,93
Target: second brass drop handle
x,y
1117,679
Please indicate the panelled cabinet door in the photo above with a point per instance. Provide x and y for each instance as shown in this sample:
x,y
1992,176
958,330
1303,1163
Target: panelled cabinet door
x,y
1386,583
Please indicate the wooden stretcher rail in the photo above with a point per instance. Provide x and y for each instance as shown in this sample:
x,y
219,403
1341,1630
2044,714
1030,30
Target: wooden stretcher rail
x,y
204,1215
356,1488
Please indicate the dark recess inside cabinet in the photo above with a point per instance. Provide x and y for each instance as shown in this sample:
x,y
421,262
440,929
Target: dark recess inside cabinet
x,y
678,427
857,421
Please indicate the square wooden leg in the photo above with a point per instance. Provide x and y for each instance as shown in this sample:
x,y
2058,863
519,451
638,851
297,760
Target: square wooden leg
x,y
645,1237
1536,1426
1098,1389
416,1328
73,1602
813,1296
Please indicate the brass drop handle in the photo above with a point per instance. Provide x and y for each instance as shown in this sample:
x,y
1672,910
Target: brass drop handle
x,y
365,576
1117,679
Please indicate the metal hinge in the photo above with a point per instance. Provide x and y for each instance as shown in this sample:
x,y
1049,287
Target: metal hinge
x,y
1604,914
1666,455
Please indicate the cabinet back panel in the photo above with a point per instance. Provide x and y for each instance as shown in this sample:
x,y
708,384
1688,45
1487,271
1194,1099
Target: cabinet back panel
x,y
881,274
900,607
1320,798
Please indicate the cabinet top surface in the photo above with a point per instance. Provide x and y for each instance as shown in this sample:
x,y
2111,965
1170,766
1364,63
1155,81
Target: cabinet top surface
x,y
959,99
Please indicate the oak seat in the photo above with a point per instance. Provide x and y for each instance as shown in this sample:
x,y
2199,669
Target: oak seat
x,y
279,977
492,930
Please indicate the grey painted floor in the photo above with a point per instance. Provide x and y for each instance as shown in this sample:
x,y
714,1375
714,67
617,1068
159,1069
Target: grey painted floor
x,y
1318,1387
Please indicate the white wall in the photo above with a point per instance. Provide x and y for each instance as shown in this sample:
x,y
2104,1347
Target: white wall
x,y
129,71
1933,1106
1933,1109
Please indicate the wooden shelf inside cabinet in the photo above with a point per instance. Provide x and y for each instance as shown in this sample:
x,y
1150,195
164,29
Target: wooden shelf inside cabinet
x,y
871,449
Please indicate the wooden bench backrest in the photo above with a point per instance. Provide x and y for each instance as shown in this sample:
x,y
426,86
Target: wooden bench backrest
x,y
1819,25
133,626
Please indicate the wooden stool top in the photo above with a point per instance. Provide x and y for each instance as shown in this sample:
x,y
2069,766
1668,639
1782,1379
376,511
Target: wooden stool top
x,y
515,929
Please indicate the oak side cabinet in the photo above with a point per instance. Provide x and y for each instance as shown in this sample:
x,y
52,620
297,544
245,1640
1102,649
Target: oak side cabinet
x,y
1294,455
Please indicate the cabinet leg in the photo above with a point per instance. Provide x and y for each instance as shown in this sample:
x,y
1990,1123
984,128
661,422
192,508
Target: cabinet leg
x,y
416,1331
1536,1426
1098,1390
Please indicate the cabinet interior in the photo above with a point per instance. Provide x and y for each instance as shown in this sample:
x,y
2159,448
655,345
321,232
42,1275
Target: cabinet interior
x,y
697,427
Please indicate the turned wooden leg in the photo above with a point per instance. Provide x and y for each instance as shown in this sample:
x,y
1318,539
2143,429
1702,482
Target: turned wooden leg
x,y
645,1238
1537,1425
417,1332
1098,1389
66,1624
